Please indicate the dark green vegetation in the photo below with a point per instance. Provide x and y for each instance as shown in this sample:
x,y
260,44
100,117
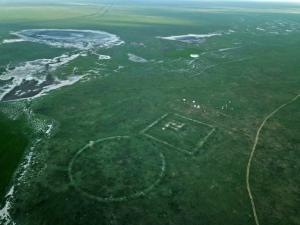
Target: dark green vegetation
x,y
179,132
277,160
119,162
235,88
13,143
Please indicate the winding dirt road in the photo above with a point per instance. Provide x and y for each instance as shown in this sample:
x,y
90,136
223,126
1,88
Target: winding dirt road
x,y
254,149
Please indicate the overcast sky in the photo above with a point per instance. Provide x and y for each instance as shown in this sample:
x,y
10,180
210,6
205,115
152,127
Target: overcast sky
x,y
257,0
278,0
82,1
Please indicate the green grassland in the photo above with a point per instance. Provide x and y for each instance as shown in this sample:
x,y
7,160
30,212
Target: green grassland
x,y
236,90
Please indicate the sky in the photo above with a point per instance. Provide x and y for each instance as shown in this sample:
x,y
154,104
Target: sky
x,y
41,1
257,0
272,0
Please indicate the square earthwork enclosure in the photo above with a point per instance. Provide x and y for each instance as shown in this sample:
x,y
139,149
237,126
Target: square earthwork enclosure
x,y
179,132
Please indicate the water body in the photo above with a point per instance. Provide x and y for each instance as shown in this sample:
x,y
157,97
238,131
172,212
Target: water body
x,y
33,78
67,38
137,59
191,38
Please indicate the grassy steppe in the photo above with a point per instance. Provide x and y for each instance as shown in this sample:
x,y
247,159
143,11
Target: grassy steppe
x,y
240,88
